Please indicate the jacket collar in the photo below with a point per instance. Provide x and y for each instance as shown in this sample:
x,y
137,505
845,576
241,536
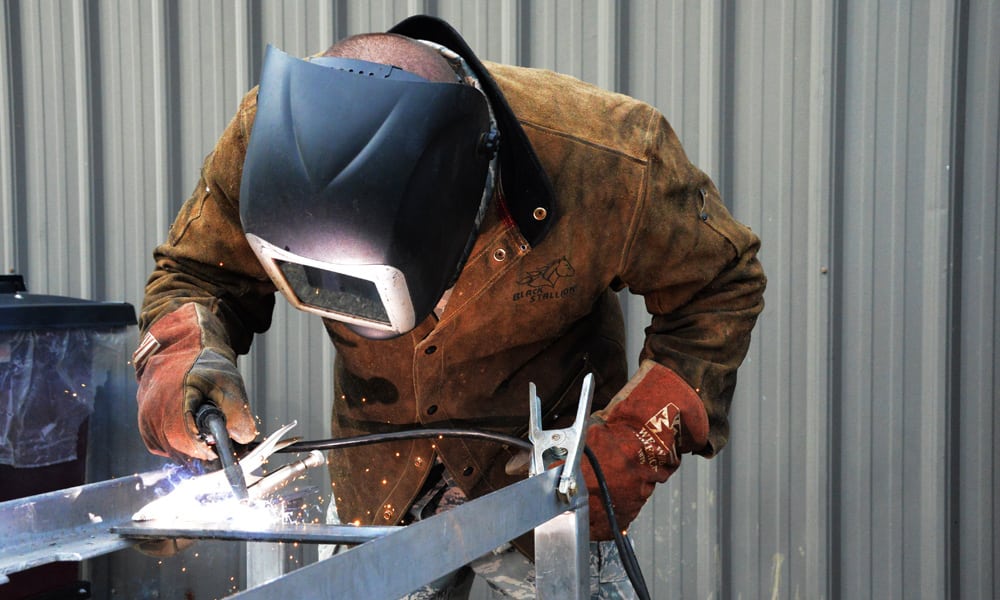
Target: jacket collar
x,y
525,185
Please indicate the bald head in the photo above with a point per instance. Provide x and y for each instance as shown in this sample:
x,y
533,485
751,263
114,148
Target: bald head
x,y
397,50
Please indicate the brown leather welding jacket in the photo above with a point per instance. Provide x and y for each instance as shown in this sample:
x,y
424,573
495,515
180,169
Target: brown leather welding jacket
x,y
631,212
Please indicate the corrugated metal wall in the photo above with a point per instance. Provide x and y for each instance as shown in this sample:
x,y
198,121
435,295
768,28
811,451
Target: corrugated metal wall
x,y
860,139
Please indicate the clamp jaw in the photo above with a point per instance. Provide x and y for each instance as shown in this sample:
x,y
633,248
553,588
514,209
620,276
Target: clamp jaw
x,y
560,444
561,544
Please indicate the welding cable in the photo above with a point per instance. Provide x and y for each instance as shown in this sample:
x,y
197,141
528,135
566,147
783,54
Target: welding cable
x,y
625,551
413,434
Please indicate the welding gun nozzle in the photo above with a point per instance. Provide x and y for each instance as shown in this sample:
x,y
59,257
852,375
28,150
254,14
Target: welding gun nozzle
x,y
207,419
211,422
285,474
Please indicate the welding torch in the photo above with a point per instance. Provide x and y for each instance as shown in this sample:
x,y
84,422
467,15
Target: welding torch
x,y
211,422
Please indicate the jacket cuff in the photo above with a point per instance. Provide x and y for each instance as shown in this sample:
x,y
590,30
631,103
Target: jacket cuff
x,y
656,399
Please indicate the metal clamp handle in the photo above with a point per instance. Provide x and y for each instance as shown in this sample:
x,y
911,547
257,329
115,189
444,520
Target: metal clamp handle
x,y
566,443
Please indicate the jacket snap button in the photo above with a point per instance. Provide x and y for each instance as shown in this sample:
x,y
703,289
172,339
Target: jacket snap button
x,y
388,513
468,471
430,349
540,213
418,462
433,408
499,254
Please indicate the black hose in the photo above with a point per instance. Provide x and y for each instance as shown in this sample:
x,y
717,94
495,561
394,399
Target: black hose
x,y
414,434
211,421
629,561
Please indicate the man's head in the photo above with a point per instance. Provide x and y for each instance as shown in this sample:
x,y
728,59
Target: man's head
x,y
392,49
367,173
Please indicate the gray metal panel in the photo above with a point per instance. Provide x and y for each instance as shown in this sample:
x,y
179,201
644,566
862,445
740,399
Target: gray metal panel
x,y
53,136
892,341
776,139
8,149
860,140
976,376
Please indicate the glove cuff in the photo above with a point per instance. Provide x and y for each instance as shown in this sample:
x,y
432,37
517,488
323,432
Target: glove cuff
x,y
191,327
666,413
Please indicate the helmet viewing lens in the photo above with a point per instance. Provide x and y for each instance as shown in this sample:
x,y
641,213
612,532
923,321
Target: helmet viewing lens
x,y
372,297
337,292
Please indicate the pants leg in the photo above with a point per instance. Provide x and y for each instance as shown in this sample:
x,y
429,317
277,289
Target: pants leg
x,y
454,586
509,575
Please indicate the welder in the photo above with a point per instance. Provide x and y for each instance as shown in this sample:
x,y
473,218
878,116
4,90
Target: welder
x,y
462,228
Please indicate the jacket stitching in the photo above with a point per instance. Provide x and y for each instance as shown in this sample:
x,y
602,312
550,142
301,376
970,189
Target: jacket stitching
x,y
641,196
583,141
195,213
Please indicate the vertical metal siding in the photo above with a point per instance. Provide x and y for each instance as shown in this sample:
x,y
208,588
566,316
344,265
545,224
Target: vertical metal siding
x,y
892,327
975,372
8,185
860,140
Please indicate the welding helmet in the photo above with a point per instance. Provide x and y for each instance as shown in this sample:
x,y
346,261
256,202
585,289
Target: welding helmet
x,y
364,186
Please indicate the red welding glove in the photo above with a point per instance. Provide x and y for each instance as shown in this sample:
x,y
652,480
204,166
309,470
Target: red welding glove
x,y
638,440
183,361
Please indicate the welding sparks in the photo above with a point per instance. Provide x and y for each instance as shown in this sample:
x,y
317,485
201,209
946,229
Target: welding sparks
x,y
196,499
237,514
210,496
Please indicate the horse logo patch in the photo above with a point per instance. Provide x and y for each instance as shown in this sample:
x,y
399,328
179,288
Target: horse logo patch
x,y
547,283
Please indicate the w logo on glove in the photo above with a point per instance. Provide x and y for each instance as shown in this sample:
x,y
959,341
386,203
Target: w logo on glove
x,y
668,417
659,449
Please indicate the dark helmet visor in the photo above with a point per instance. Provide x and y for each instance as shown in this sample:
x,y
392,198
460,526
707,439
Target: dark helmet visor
x,y
355,168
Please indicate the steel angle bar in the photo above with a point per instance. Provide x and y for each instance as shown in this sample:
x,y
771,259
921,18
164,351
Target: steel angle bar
x,y
309,533
71,524
405,560
562,555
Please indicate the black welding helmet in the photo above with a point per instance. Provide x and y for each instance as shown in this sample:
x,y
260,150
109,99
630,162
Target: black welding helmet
x,y
364,186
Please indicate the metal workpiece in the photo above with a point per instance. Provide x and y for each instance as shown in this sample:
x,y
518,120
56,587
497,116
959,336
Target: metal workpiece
x,y
186,498
305,533
550,502
562,554
382,562
374,570
95,519
72,524
82,522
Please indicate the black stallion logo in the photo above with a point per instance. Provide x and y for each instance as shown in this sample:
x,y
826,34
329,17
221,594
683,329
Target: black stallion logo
x,y
541,283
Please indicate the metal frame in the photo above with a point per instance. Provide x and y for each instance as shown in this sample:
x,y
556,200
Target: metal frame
x,y
434,547
96,519
73,524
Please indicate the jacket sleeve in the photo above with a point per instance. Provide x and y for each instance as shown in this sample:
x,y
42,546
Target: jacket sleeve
x,y
206,258
698,271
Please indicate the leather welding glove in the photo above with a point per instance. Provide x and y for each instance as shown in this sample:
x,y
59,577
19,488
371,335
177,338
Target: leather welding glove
x,y
183,361
638,440
163,548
